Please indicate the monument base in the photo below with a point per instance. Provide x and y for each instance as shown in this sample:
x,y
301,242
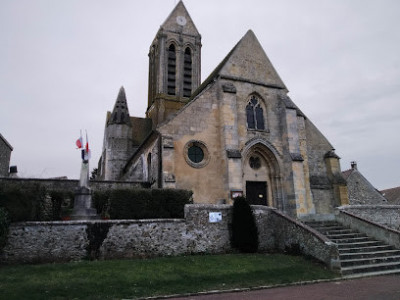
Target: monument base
x,y
83,205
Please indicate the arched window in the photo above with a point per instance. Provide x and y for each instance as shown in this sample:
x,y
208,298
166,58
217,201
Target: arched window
x,y
171,70
187,73
255,114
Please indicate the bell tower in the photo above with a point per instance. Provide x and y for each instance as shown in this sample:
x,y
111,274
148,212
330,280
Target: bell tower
x,y
174,65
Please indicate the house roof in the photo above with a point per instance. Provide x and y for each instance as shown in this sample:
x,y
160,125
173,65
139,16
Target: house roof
x,y
392,195
5,142
347,173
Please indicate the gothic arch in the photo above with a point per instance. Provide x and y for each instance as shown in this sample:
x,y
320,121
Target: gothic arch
x,y
261,164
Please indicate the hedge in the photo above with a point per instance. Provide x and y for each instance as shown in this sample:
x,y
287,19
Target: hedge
x,y
33,202
142,203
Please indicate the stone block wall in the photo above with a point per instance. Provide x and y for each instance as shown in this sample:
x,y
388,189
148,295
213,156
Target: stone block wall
x,y
33,242
386,215
5,155
69,185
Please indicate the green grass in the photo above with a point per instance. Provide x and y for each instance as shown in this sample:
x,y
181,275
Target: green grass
x,y
150,277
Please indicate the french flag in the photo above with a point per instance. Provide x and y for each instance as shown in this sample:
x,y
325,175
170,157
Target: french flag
x,y
79,142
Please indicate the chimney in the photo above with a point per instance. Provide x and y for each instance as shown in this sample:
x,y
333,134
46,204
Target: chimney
x,y
354,165
13,172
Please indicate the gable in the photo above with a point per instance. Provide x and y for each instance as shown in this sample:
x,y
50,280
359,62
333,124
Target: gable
x,y
248,62
180,21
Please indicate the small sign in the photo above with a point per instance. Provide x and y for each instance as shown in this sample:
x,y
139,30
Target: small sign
x,y
215,217
235,194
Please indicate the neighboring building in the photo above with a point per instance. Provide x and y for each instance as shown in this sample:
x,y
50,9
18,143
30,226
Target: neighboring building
x,y
5,156
236,133
392,195
361,191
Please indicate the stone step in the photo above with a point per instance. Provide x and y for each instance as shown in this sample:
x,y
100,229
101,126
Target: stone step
x,y
360,244
382,247
358,255
380,267
350,240
369,261
370,274
345,235
339,231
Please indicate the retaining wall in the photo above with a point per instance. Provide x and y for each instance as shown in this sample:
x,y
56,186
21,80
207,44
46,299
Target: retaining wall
x,y
33,242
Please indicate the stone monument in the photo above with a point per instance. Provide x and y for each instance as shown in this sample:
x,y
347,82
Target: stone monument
x,y
83,194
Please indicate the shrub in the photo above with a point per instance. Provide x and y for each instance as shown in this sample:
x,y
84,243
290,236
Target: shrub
x,y
25,204
101,202
244,229
32,202
4,223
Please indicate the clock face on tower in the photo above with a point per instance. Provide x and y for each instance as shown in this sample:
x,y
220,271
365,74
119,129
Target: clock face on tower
x,y
181,20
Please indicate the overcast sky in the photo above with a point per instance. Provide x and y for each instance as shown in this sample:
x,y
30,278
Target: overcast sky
x,y
63,62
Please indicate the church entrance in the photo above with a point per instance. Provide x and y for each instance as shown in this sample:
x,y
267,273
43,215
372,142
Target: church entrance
x,y
256,192
261,174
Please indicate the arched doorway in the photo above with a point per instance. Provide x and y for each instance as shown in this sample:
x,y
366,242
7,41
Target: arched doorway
x,y
262,175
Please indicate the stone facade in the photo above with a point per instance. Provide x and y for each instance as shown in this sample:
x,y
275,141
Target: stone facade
x,y
238,132
32,242
5,155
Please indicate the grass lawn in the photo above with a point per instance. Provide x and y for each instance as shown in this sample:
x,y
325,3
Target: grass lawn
x,y
136,278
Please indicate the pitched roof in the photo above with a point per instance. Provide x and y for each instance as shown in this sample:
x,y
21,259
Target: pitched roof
x,y
347,173
5,142
179,20
392,195
120,113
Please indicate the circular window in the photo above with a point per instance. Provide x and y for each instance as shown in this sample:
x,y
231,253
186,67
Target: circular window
x,y
196,154
255,162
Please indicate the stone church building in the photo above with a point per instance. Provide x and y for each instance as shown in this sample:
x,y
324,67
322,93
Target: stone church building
x,y
237,132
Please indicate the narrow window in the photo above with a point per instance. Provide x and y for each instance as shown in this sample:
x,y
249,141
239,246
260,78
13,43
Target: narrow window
x,y
255,114
171,70
187,73
149,167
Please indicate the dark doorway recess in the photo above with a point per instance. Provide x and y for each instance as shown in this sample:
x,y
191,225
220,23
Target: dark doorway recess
x,y
256,192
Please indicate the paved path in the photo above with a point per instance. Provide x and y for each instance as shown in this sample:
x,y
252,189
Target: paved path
x,y
372,288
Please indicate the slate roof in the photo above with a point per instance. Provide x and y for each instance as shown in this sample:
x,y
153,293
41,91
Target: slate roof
x,y
392,195
347,173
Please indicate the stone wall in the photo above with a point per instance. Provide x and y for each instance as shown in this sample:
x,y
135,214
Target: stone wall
x,y
371,228
33,242
386,215
5,155
71,184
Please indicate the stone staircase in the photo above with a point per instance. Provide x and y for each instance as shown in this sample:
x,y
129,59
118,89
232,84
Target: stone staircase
x,y
359,254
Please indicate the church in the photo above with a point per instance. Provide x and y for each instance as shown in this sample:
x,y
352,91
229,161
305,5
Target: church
x,y
236,133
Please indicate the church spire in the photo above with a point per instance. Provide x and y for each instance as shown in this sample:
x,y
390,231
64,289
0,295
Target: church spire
x,y
120,113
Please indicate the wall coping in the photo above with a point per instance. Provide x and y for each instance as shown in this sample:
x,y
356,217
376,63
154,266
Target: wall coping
x,y
87,222
344,207
370,222
304,226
